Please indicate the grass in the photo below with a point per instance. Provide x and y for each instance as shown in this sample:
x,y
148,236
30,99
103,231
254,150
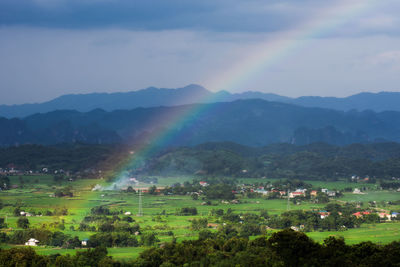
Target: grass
x,y
381,233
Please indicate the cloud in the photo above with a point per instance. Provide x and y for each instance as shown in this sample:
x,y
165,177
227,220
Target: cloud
x,y
53,47
155,15
40,64
387,59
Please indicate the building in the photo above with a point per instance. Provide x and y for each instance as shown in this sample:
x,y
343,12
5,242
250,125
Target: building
x,y
84,242
356,191
296,194
32,242
331,194
361,213
384,215
202,183
261,191
323,214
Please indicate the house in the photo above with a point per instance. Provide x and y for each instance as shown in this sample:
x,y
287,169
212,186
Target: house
x,y
356,191
84,242
314,193
296,194
301,190
361,214
323,214
204,184
331,194
128,213
212,225
384,215
261,191
324,190
394,214
32,242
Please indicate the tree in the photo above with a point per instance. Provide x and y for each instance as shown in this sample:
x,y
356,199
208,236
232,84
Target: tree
x,y
148,239
153,190
17,211
200,223
23,222
2,223
22,257
4,183
130,190
292,247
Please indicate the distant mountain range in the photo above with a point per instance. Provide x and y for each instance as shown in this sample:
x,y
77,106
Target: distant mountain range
x,y
253,122
191,94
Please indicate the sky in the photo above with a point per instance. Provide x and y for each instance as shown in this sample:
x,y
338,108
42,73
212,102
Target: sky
x,y
294,48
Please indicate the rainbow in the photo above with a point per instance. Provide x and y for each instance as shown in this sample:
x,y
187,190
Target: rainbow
x,y
277,47
264,55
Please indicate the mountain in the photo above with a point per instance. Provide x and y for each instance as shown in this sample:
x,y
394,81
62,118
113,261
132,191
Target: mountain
x,y
364,101
150,97
251,122
191,94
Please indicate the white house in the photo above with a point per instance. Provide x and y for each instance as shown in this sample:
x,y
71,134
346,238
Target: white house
x,y
84,242
32,242
331,193
204,184
356,191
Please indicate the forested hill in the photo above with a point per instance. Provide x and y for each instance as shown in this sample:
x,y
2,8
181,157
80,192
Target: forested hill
x,y
154,97
314,161
249,122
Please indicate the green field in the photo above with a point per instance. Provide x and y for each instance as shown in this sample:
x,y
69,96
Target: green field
x,y
381,233
35,197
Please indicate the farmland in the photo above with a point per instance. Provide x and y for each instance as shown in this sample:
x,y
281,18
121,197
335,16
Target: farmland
x,y
36,196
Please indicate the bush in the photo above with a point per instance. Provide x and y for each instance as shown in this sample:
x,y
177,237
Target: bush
x,y
23,222
187,211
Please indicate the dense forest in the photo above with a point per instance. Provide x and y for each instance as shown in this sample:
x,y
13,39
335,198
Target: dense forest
x,y
314,161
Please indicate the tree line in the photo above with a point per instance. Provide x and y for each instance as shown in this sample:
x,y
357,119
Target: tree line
x,y
283,248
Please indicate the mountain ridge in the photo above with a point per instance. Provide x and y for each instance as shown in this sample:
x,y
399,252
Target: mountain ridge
x,y
253,122
192,94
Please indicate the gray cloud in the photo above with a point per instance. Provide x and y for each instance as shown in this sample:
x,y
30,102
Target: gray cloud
x,y
40,64
207,15
53,47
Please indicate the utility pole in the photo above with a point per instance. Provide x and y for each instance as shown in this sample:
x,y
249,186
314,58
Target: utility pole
x,y
288,201
140,213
